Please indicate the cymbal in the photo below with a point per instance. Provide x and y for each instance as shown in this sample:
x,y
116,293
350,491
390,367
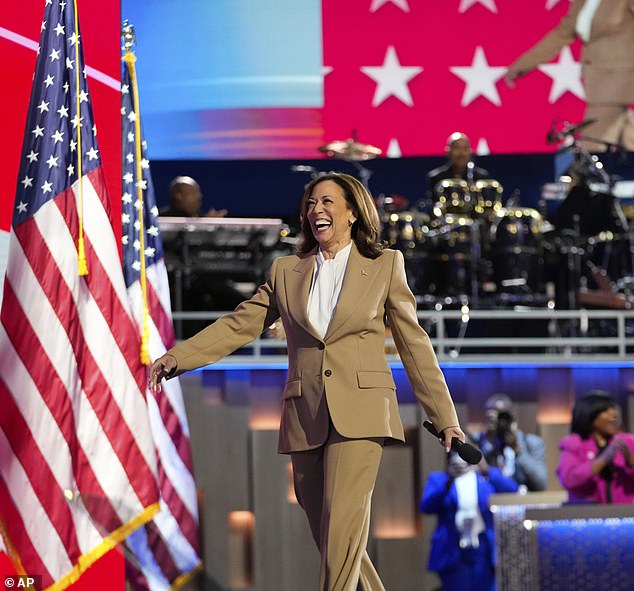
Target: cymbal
x,y
350,150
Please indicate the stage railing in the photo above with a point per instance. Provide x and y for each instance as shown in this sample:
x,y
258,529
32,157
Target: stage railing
x,y
519,334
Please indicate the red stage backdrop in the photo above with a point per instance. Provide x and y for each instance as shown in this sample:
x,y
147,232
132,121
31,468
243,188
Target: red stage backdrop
x,y
407,73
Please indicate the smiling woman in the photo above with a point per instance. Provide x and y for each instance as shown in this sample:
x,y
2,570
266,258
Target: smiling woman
x,y
344,211
330,217
597,459
335,297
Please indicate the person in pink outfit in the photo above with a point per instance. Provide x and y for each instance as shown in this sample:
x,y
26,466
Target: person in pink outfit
x,y
597,459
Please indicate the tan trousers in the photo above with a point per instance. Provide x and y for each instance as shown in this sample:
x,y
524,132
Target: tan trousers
x,y
334,485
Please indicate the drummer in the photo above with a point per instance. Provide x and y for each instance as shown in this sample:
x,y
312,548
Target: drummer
x,y
459,165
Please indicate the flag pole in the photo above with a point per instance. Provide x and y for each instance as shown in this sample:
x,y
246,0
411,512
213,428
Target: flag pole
x,y
172,556
129,39
82,264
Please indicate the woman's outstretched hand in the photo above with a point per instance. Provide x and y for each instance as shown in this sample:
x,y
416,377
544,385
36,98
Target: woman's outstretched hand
x,y
163,367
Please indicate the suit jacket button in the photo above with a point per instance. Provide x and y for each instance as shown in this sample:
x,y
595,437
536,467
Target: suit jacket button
x,y
328,373
321,346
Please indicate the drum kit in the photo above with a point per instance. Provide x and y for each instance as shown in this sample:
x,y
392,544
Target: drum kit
x,y
474,248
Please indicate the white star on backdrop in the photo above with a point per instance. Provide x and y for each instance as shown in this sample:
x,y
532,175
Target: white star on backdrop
x,y
480,79
393,149
566,75
402,4
467,4
392,78
483,147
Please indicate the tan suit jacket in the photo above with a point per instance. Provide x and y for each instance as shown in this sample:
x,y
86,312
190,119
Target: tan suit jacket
x,y
607,57
345,374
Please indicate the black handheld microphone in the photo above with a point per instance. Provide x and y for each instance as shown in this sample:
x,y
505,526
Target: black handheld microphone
x,y
468,452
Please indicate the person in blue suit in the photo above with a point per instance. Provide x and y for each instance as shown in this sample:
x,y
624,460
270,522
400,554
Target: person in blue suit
x,y
463,544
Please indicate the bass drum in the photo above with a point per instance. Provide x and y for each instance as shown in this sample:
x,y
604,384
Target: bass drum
x,y
516,237
610,252
456,254
487,197
407,231
452,197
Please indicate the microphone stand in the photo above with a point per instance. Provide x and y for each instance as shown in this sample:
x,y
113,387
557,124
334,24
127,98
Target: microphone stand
x,y
364,173
611,145
627,228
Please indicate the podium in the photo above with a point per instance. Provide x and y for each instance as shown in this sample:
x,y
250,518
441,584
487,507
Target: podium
x,y
544,544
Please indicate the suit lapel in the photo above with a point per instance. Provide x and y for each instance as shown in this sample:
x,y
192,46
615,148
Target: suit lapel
x,y
298,282
359,275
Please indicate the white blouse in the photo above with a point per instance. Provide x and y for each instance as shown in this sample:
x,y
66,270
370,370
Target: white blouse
x,y
584,18
326,287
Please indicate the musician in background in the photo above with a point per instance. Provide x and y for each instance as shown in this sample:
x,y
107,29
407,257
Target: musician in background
x,y
606,29
200,290
459,165
186,199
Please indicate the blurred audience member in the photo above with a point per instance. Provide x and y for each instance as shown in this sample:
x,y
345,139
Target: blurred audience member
x,y
463,544
597,459
519,455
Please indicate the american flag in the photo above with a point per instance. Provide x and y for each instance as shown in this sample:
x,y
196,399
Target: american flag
x,y
77,461
167,550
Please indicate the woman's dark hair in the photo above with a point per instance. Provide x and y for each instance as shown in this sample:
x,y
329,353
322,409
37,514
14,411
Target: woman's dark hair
x,y
366,230
588,408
